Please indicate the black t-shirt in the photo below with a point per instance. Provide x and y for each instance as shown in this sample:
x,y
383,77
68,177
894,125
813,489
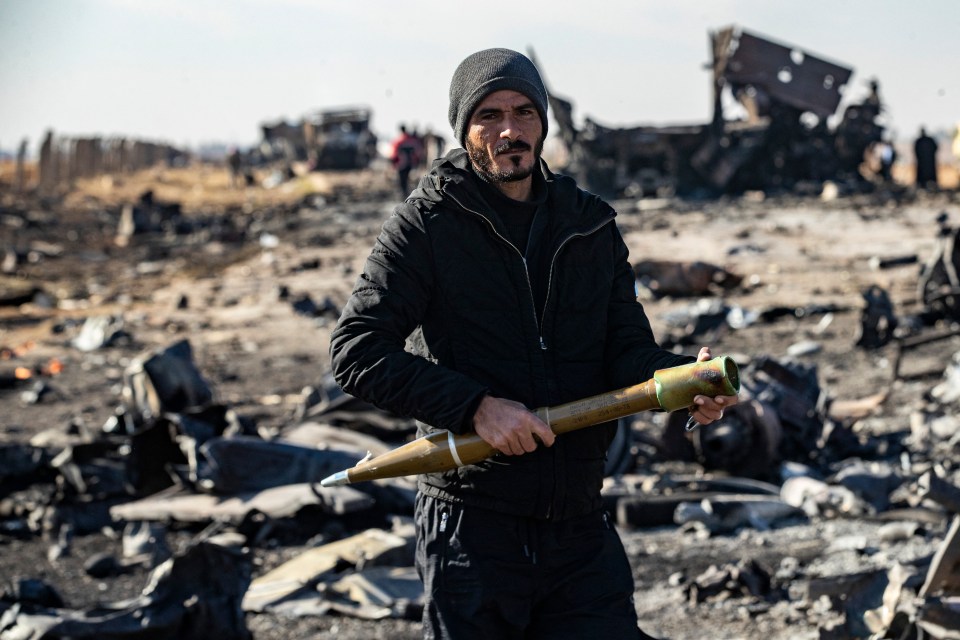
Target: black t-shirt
x,y
516,215
518,218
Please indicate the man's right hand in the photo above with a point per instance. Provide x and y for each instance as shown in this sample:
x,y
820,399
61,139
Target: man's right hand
x,y
510,427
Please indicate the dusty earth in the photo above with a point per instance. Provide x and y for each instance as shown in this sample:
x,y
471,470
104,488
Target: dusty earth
x,y
229,293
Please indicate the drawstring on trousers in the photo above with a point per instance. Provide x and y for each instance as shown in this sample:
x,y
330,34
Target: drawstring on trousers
x,y
529,546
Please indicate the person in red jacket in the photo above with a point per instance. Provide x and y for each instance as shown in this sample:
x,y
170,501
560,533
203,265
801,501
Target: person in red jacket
x,y
406,153
498,286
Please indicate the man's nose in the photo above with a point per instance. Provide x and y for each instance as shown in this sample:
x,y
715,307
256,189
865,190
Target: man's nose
x,y
510,128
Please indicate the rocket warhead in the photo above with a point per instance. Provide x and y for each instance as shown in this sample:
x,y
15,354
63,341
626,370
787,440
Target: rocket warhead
x,y
338,479
670,389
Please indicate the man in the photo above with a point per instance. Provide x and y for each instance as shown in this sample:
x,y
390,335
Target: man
x,y
406,153
925,153
510,288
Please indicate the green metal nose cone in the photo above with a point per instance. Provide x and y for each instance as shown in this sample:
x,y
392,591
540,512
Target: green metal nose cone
x,y
677,386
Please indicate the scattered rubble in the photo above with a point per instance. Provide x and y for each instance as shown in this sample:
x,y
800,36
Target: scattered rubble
x,y
168,417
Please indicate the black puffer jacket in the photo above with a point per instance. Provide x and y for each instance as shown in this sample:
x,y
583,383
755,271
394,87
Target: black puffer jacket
x,y
444,275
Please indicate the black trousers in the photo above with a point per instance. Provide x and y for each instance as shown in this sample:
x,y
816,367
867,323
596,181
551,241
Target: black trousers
x,y
489,575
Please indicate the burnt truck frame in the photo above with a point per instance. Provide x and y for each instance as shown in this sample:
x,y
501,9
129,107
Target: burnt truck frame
x,y
773,104
326,139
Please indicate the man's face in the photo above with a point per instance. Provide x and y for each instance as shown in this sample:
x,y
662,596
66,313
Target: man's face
x,y
505,137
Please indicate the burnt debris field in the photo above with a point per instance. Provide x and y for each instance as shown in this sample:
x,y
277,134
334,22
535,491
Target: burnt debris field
x,y
167,415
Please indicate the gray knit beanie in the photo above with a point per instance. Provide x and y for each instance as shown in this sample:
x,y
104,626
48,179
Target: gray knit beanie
x,y
487,71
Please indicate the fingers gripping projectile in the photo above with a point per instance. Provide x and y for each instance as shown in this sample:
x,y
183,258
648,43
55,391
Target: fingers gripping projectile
x,y
669,389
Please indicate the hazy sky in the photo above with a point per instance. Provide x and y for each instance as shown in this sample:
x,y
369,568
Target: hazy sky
x,y
195,71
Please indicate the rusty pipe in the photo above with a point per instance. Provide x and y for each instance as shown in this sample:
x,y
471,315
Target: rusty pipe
x,y
669,389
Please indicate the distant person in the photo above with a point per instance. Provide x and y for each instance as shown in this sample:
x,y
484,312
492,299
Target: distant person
x,y
872,104
888,155
235,164
406,153
925,150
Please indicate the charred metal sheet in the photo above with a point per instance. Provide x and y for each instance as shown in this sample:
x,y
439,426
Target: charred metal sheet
x,y
728,513
371,547
940,618
378,593
878,320
783,141
744,578
640,511
672,278
944,574
949,390
764,70
166,380
946,494
318,435
939,284
643,501
19,460
193,596
276,502
228,462
818,498
856,595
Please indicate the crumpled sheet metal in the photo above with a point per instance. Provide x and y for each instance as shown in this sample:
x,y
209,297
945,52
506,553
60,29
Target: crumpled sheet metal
x,y
378,593
373,594
229,461
370,547
275,502
786,73
194,596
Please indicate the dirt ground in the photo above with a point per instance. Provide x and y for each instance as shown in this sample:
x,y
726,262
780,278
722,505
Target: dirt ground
x,y
229,293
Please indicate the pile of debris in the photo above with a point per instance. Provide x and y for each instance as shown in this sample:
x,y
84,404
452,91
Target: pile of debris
x,y
771,130
217,521
173,458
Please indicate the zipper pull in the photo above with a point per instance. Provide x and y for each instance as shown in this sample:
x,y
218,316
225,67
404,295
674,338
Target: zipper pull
x,y
443,522
543,345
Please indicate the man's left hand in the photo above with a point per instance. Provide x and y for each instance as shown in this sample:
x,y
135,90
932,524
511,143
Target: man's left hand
x,y
706,409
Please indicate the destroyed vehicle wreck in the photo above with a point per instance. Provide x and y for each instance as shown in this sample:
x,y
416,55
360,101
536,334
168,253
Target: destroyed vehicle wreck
x,y
331,139
167,422
771,130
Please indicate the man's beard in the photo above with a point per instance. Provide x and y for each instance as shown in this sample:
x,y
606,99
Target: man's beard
x,y
485,166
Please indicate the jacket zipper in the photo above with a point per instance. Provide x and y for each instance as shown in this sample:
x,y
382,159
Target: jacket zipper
x,y
543,315
526,270
523,258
